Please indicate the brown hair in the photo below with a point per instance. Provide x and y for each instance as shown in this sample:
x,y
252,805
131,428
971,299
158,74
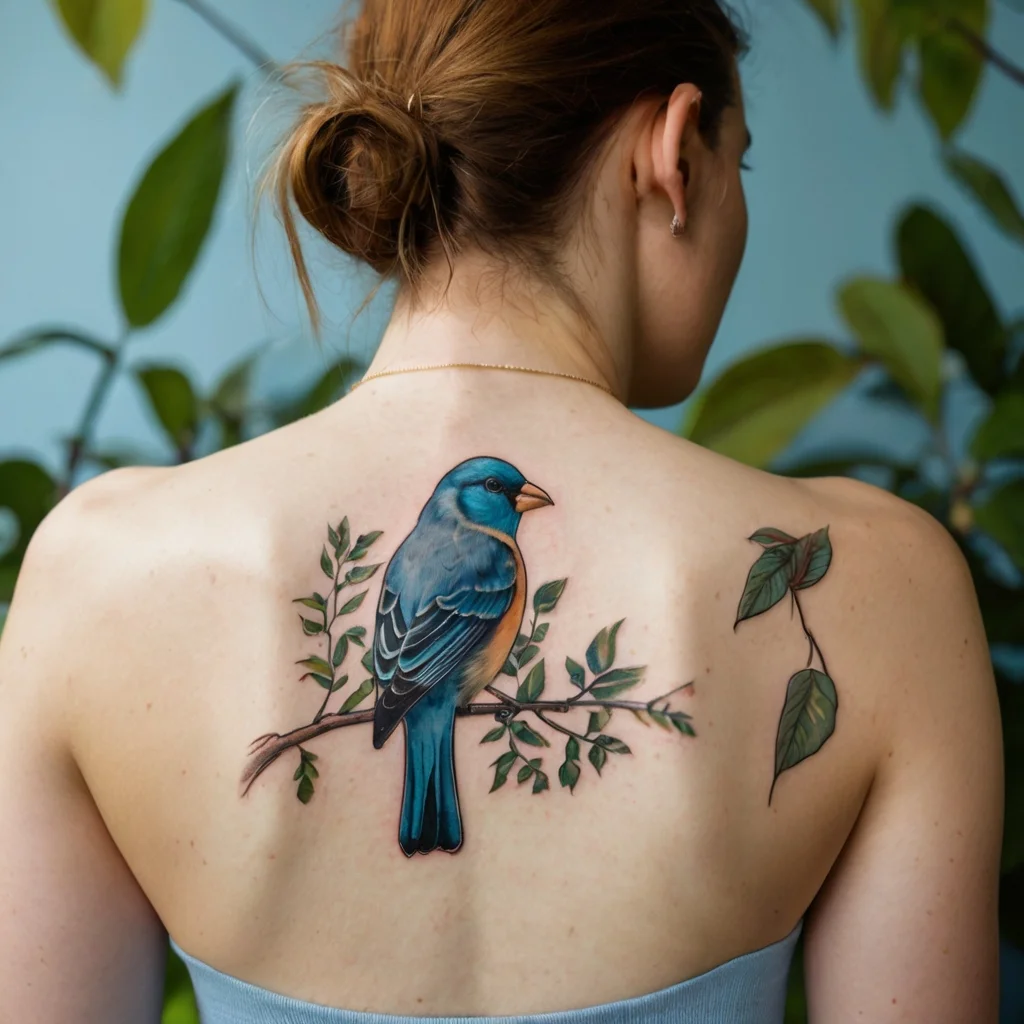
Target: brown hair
x,y
460,121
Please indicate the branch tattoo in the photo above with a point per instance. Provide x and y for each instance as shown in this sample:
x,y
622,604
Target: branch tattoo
x,y
448,627
787,566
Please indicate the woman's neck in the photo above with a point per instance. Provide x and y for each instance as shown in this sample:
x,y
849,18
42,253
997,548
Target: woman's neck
x,y
536,331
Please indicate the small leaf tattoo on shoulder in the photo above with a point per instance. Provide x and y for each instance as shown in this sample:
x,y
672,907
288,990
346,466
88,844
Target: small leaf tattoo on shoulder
x,y
788,565
448,626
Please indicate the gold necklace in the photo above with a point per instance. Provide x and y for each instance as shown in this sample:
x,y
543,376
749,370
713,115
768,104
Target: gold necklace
x,y
481,366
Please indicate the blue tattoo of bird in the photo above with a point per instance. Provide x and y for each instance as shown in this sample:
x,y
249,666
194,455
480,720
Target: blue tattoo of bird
x,y
450,609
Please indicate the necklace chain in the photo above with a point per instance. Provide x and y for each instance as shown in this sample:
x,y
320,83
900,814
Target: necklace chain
x,y
480,366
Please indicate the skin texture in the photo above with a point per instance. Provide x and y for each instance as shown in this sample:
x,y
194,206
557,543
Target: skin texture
x,y
152,635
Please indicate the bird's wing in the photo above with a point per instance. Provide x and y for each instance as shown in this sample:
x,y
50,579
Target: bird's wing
x,y
471,592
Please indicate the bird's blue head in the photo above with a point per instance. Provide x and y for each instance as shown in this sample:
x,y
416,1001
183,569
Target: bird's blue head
x,y
489,492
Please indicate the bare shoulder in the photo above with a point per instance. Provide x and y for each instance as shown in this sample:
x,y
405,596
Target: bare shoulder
x,y
905,927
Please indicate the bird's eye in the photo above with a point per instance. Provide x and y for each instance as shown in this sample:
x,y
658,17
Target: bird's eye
x,y
493,485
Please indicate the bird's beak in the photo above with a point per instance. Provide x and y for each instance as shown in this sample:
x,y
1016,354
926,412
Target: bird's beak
x,y
531,496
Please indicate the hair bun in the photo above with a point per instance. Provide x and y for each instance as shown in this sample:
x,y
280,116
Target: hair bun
x,y
363,170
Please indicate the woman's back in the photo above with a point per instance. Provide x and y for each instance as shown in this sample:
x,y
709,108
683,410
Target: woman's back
x,y
667,863
473,693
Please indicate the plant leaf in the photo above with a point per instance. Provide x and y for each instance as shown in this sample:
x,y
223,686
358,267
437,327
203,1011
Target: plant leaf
x,y
1002,433
523,732
316,663
173,400
808,719
934,261
769,535
332,538
617,681
494,734
532,686
572,749
767,582
597,757
610,743
540,782
881,42
357,696
340,650
105,30
989,188
759,404
170,213
28,492
367,661
598,720
569,774
501,769
352,603
344,534
524,773
311,628
361,573
950,71
1002,517
325,681
310,602
811,559
326,564
540,632
896,326
525,657
547,596
577,673
510,668
601,652
363,543
829,13
305,790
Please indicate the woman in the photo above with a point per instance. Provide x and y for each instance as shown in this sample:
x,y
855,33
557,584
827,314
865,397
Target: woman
x,y
474,694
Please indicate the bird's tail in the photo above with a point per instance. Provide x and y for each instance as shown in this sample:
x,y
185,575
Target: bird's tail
x,y
430,802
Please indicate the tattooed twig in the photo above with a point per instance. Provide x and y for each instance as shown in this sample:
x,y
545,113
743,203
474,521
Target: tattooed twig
x,y
266,749
786,566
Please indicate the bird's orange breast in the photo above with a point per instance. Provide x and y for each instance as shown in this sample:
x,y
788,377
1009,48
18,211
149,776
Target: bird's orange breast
x,y
486,665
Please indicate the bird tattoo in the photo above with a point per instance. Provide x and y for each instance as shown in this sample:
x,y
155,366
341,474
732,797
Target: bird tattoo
x,y
450,610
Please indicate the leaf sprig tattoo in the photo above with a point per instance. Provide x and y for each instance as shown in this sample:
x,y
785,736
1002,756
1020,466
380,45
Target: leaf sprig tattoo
x,y
790,565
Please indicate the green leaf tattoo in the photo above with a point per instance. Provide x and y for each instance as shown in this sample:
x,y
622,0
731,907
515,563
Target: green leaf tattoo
x,y
789,565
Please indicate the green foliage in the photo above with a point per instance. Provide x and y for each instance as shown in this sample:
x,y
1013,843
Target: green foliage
x,y
170,213
598,698
829,12
760,403
179,1000
788,565
104,30
934,262
990,189
27,493
173,399
903,332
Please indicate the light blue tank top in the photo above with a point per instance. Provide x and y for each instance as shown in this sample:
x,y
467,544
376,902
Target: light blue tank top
x,y
750,989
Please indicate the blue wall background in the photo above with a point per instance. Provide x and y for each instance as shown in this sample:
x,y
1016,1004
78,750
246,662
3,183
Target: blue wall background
x,y
830,175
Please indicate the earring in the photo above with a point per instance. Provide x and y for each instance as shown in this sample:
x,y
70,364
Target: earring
x,y
677,227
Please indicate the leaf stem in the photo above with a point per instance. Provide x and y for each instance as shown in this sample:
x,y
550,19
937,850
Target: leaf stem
x,y
238,39
810,636
985,49
79,442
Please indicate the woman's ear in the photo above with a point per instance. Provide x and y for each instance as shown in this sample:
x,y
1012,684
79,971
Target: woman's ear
x,y
674,138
